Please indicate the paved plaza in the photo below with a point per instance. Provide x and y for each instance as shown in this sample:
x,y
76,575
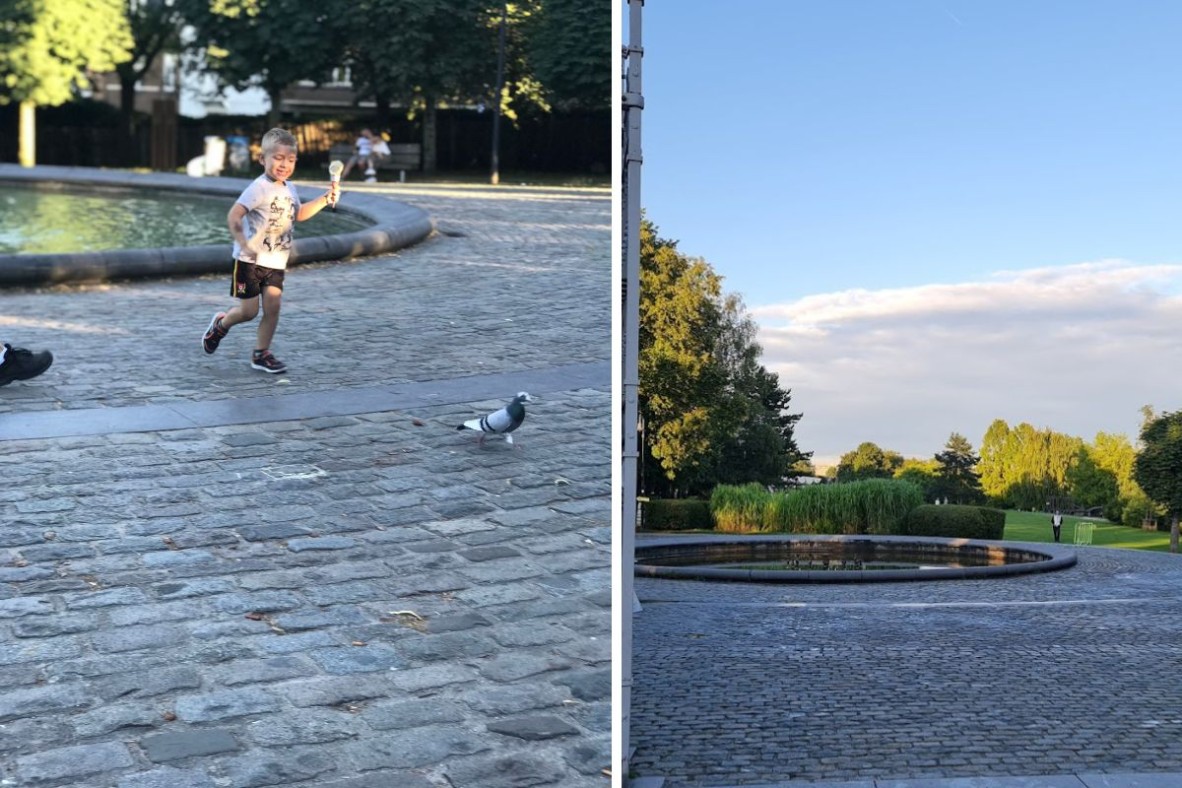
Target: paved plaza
x,y
211,577
1066,679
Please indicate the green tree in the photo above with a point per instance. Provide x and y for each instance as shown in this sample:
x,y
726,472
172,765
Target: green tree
x,y
868,461
1158,466
570,50
267,43
956,471
710,411
998,453
921,473
432,53
48,48
155,28
1024,467
1093,486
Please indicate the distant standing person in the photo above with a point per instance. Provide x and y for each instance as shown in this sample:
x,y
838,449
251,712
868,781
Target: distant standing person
x,y
362,154
16,363
1056,523
261,224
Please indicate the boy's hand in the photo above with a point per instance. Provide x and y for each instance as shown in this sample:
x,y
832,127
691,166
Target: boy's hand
x,y
334,192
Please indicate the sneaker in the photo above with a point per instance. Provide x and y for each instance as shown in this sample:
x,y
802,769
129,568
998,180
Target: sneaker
x,y
262,359
21,364
213,334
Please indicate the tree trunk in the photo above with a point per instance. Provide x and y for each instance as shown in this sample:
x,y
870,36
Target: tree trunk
x,y
1174,533
276,112
381,111
429,135
27,139
127,101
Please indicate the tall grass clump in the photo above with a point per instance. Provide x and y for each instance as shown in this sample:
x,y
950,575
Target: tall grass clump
x,y
871,506
739,509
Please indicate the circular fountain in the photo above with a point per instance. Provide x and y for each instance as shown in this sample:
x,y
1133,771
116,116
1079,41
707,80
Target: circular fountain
x,y
841,559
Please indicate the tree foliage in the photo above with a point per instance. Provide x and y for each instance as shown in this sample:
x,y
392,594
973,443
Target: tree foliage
x,y
868,461
711,412
46,49
570,49
270,44
155,28
1024,467
956,472
1158,465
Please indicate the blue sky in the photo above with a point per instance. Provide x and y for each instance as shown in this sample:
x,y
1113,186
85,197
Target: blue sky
x,y
940,212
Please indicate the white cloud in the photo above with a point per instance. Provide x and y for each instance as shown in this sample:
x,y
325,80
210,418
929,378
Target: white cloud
x,y
1076,348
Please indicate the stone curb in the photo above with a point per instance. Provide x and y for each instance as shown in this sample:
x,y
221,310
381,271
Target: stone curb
x,y
1052,558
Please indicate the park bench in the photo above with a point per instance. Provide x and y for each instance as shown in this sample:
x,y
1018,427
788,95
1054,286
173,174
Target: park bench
x,y
403,157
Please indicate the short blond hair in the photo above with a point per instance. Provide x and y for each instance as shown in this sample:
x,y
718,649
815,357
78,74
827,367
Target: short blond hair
x,y
276,137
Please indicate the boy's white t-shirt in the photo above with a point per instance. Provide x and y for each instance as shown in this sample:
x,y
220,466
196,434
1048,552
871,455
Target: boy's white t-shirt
x,y
271,209
364,147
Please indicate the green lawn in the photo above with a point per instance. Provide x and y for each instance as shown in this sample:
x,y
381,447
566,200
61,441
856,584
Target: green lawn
x,y
1036,527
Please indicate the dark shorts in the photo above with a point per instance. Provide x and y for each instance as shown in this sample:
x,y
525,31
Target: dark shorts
x,y
250,279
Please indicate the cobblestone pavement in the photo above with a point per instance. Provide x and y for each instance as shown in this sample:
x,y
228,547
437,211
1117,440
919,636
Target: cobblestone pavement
x,y
360,601
1058,674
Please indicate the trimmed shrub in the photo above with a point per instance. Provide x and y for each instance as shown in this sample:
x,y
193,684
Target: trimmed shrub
x,y
680,514
955,522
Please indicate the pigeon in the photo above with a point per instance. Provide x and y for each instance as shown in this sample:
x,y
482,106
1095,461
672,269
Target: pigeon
x,y
503,421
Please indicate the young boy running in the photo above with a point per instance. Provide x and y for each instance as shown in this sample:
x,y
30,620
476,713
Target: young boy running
x,y
261,223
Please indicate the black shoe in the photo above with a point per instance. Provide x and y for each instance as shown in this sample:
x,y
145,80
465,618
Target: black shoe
x,y
214,334
21,364
262,359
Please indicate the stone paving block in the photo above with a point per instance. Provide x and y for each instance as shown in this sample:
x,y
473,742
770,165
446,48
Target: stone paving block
x,y
72,763
224,704
147,683
357,659
167,777
321,543
378,779
118,717
136,638
262,768
533,728
433,677
516,665
256,671
515,699
25,606
38,650
415,713
176,745
25,702
111,597
414,748
334,690
31,735
506,771
306,726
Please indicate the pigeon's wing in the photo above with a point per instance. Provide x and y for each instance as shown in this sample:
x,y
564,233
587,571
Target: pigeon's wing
x,y
516,415
498,421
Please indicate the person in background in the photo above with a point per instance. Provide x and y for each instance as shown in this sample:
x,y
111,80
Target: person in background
x,y
1056,524
362,154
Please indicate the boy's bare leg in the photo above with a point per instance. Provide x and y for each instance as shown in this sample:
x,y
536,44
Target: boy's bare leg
x,y
245,311
272,300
